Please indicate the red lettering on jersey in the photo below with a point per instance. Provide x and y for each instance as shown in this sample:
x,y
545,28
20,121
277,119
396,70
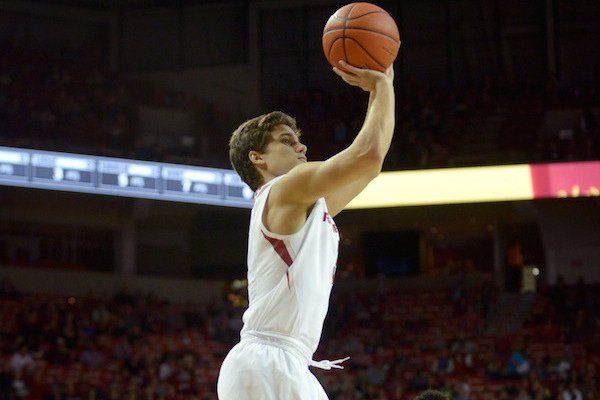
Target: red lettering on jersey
x,y
329,220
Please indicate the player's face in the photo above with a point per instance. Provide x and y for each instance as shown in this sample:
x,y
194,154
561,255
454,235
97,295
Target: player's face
x,y
284,151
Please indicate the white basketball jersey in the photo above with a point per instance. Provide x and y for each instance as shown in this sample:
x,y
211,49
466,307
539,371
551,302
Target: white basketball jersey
x,y
290,276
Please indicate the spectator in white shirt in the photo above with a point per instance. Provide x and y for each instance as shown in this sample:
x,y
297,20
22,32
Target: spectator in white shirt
x,y
21,359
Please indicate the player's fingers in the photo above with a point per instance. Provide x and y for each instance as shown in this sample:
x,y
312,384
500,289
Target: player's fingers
x,y
363,71
342,73
348,78
345,64
350,68
341,76
338,71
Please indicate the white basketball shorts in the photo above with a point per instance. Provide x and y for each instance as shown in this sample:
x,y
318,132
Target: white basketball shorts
x,y
259,370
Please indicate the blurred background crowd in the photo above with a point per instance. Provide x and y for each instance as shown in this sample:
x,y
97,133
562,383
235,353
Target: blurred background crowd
x,y
68,103
478,82
137,346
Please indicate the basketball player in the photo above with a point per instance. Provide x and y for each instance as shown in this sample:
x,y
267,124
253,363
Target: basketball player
x,y
293,242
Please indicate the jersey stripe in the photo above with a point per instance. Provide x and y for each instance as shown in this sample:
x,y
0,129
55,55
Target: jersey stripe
x,y
280,249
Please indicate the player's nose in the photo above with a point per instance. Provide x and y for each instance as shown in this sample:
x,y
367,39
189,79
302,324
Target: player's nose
x,y
301,148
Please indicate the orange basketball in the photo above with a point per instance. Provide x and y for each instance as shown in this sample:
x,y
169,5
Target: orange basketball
x,y
363,35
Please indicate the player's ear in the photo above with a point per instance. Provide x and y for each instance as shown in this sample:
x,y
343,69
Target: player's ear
x,y
256,158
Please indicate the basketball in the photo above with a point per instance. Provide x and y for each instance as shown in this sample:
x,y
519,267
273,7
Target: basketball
x,y
363,35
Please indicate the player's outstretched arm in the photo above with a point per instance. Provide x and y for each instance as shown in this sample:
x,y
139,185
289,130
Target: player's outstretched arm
x,y
343,176
339,199
380,117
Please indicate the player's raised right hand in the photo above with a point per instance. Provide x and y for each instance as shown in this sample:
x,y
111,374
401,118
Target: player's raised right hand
x,y
366,79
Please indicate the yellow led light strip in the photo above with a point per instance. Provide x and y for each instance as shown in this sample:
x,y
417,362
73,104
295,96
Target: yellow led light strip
x,y
447,186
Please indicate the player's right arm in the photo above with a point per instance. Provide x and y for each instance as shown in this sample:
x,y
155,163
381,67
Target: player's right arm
x,y
356,165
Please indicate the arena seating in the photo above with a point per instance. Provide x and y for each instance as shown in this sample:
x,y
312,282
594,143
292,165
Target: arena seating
x,y
69,104
134,346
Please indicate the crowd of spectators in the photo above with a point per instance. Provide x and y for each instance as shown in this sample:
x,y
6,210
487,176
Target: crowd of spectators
x,y
444,127
430,121
62,103
68,103
135,346
573,142
124,347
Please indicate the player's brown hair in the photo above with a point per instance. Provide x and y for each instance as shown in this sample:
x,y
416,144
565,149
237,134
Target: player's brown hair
x,y
254,134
